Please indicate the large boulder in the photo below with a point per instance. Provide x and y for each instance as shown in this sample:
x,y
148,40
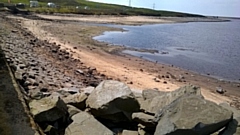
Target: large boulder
x,y
155,100
112,100
85,124
191,115
48,109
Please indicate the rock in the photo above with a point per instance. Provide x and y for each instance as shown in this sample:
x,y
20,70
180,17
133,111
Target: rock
x,y
32,81
72,110
112,100
128,132
78,100
18,75
48,109
14,31
87,90
21,66
137,93
50,130
156,79
142,130
39,95
233,128
151,93
191,115
236,113
79,71
71,90
157,100
85,124
144,119
220,90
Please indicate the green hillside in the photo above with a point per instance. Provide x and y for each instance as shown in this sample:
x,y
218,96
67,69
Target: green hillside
x,y
95,8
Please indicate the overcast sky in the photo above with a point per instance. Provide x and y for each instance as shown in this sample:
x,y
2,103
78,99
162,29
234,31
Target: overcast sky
x,y
204,7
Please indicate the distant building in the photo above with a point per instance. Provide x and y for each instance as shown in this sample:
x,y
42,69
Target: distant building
x,y
50,4
33,3
20,5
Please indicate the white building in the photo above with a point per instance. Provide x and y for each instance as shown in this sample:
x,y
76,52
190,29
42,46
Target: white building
x,y
50,4
33,3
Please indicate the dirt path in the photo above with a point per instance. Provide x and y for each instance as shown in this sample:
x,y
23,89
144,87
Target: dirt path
x,y
136,72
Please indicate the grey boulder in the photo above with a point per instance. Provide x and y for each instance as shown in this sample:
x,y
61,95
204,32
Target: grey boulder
x,y
155,100
191,115
48,109
112,100
85,124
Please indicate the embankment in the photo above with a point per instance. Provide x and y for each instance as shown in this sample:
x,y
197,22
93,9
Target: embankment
x,y
13,118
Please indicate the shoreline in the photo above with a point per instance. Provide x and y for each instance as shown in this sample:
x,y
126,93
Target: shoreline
x,y
136,72
128,20
220,78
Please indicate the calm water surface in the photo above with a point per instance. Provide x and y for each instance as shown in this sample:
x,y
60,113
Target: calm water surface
x,y
205,47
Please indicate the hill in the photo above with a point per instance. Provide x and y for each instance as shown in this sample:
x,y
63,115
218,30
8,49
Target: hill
x,y
95,8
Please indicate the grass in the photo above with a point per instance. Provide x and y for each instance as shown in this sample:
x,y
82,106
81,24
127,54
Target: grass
x,y
95,8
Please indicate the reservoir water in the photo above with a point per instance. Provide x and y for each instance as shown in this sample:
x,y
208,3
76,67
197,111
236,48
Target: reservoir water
x,y
204,47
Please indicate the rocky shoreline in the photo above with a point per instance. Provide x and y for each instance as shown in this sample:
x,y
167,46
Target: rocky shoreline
x,y
65,96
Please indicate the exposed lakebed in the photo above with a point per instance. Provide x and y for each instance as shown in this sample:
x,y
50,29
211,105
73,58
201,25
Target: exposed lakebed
x,y
204,47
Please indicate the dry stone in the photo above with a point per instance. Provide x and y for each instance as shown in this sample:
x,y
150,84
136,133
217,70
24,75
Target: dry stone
x,y
87,90
112,100
85,124
151,93
192,115
72,110
78,100
128,132
155,100
144,119
48,109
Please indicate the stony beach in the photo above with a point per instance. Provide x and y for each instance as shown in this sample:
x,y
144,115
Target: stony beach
x,y
56,55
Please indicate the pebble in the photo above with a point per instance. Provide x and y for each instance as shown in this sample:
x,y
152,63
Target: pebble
x,y
220,90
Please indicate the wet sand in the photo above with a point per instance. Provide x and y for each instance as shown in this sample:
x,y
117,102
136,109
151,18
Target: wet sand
x,y
76,38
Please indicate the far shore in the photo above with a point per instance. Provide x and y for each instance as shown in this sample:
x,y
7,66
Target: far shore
x,y
129,20
138,73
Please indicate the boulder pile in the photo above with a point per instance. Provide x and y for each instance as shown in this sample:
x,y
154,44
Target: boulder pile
x,y
112,108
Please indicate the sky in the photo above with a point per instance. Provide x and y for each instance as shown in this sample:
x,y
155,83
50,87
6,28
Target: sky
x,y
228,8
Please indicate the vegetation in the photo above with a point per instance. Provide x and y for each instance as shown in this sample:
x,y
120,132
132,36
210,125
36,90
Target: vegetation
x,y
95,8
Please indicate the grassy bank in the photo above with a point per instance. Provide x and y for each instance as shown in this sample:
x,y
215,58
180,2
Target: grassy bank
x,y
95,8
